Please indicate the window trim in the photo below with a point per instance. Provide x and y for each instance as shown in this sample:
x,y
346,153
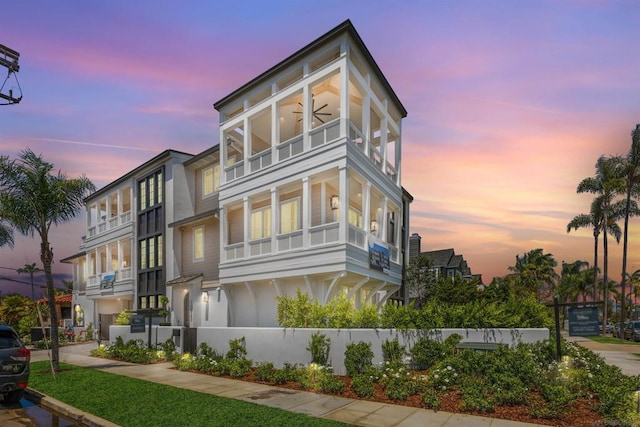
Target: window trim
x,y
215,185
196,243
297,200
266,230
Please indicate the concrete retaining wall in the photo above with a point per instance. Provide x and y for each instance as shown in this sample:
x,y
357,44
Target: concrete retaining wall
x,y
279,345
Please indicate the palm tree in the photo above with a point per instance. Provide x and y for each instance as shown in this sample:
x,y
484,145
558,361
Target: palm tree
x,y
630,170
32,199
594,221
634,283
535,272
31,269
605,185
575,281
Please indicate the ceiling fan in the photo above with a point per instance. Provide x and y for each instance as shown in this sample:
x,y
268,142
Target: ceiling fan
x,y
316,112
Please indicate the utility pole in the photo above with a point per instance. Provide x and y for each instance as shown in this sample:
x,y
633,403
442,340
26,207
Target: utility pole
x,y
9,60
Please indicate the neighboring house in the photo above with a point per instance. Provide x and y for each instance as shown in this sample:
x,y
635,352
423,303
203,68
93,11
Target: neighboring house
x,y
63,308
122,264
444,262
303,192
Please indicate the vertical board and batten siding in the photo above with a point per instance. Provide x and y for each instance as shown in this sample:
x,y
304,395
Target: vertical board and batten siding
x,y
206,203
209,265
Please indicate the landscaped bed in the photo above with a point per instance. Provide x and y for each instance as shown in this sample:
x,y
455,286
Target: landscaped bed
x,y
526,383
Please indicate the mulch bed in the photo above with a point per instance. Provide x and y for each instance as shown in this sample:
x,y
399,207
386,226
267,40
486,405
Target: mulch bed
x,y
581,414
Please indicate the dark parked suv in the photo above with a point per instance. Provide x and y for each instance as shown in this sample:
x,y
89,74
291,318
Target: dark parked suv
x,y
14,365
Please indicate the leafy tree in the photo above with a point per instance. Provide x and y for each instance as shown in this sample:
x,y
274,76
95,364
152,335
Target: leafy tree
x,y
420,279
630,171
455,290
13,308
30,269
32,199
605,185
534,272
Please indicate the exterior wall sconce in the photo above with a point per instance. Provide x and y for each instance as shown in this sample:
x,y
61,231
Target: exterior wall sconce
x,y
335,202
205,296
374,226
77,308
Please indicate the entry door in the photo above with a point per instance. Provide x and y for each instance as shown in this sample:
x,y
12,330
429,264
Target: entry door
x,y
106,320
185,310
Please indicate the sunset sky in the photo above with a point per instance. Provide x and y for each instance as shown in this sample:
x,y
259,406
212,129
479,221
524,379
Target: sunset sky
x,y
509,103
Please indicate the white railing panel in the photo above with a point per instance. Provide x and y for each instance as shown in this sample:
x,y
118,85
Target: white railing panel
x,y
125,217
356,236
260,247
290,148
323,234
113,222
235,251
260,160
235,171
290,241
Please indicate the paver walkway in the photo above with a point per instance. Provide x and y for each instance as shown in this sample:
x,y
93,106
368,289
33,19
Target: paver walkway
x,y
357,412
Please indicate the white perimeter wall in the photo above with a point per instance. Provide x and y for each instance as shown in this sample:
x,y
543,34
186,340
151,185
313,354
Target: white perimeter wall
x,y
279,345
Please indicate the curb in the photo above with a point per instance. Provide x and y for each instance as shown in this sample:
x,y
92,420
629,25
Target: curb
x,y
80,417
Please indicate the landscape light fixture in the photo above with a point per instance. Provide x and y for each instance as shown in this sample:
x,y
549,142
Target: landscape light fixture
x,y
335,202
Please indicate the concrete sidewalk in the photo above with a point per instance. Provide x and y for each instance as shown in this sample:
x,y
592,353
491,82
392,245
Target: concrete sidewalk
x,y
620,355
356,412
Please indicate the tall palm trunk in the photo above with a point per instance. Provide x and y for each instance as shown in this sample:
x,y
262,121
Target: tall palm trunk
x,y
596,294
46,256
605,279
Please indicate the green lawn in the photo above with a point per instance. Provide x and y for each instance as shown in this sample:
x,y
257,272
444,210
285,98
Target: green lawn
x,y
131,402
611,340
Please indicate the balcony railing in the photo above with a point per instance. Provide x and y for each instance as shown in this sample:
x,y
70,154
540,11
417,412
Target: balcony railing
x,y
356,236
260,247
260,160
326,133
234,251
289,241
109,224
235,171
322,234
290,148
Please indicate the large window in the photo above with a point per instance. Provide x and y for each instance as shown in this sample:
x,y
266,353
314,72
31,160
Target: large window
x,y
355,218
150,190
210,180
290,215
261,223
198,243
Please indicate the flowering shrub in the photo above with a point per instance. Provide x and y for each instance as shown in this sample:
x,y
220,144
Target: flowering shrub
x,y
358,357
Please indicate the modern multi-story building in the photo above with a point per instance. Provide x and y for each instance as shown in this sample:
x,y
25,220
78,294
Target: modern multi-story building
x,y
303,192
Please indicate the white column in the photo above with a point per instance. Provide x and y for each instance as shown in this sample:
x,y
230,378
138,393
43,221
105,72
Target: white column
x,y
307,116
366,207
119,255
383,223
344,203
383,143
344,99
366,121
306,211
224,238
275,130
246,144
323,204
247,225
275,219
